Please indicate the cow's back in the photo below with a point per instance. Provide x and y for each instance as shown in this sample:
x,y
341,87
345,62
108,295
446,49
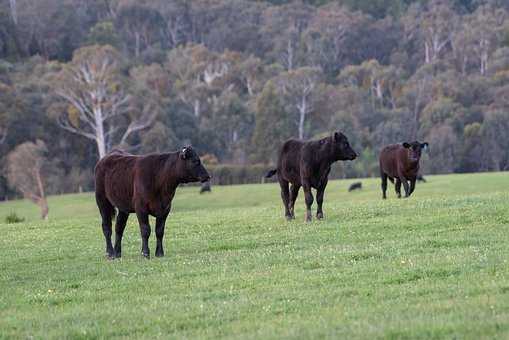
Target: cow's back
x,y
389,159
114,179
289,160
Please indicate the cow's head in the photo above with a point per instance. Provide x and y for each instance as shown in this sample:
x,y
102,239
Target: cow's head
x,y
342,149
194,170
415,150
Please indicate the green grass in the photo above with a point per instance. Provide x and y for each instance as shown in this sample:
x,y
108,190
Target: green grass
x,y
433,266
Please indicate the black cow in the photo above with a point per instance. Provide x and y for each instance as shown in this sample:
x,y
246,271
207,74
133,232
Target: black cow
x,y
144,185
355,186
307,164
400,162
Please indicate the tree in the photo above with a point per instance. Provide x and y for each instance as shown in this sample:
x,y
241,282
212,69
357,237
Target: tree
x,y
25,172
416,95
381,82
270,124
283,28
299,90
433,25
139,26
332,37
91,84
6,94
103,33
479,37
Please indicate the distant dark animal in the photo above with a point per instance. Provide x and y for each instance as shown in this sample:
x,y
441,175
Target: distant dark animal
x,y
205,187
355,186
421,178
307,164
144,185
400,162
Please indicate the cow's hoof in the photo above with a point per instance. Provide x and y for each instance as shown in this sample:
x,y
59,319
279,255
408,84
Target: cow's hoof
x,y
145,255
319,216
118,255
308,219
110,257
159,253
288,217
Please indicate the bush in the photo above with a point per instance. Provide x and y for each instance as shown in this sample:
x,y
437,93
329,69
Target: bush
x,y
238,174
13,218
227,174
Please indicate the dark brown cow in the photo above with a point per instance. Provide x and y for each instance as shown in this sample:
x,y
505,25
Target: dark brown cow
x,y
144,185
400,162
307,164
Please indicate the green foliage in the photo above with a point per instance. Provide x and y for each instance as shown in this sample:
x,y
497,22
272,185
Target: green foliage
x,y
237,78
13,218
234,267
103,33
272,125
226,174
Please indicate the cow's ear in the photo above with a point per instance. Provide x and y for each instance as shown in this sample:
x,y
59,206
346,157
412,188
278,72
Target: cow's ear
x,y
425,146
406,145
337,136
183,153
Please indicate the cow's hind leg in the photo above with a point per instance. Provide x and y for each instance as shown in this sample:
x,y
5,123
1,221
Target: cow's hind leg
x,y
119,232
398,187
107,212
294,192
285,196
160,223
145,233
309,200
383,175
319,201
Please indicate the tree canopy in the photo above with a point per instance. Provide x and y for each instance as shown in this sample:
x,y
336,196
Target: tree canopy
x,y
235,78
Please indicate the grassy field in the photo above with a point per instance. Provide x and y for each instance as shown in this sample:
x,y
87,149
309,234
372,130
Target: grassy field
x,y
432,266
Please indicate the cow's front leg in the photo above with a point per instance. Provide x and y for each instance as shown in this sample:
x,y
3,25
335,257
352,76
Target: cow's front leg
x,y
405,186
412,186
160,223
145,233
319,201
309,200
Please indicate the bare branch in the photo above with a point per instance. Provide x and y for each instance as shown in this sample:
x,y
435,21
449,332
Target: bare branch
x,y
144,122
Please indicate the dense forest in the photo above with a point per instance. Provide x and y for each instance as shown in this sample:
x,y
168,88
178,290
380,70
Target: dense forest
x,y
235,78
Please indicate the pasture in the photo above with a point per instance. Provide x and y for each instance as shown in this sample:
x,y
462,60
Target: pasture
x,y
432,266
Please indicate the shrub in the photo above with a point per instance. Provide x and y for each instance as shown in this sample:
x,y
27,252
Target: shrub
x,y
227,174
13,218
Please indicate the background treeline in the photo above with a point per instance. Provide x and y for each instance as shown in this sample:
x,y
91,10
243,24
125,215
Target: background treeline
x,y
235,78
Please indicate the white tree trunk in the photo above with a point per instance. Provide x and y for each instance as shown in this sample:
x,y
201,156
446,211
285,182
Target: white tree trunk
x,y
290,55
302,116
14,11
196,108
427,58
137,44
100,137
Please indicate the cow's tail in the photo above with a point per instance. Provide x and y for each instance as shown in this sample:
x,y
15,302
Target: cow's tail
x,y
271,173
